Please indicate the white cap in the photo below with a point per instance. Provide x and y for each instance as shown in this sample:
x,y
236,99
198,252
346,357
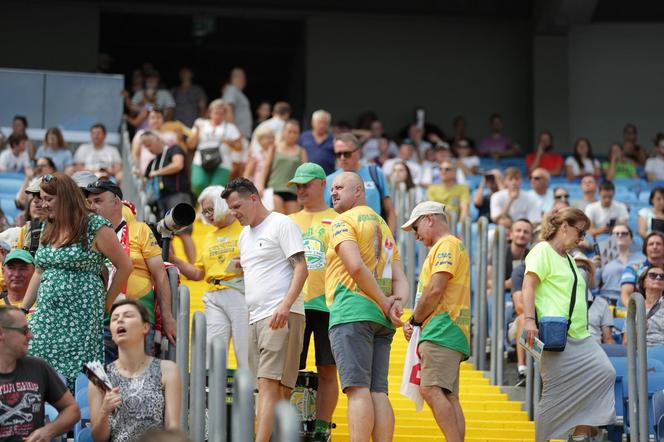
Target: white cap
x,y
33,187
423,208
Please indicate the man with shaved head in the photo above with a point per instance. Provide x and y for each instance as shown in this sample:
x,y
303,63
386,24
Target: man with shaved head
x,y
365,290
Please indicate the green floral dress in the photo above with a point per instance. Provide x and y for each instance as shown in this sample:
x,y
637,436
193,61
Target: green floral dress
x,y
68,323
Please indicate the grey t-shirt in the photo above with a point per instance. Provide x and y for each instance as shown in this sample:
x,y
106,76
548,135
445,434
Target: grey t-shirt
x,y
599,315
242,109
655,325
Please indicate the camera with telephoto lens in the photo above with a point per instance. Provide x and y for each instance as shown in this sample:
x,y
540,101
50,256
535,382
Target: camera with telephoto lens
x,y
177,218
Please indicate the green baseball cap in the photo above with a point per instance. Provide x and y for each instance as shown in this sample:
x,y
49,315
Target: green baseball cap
x,y
307,172
20,254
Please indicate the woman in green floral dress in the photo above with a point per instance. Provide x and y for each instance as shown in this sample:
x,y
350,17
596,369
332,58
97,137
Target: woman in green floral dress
x,y
68,323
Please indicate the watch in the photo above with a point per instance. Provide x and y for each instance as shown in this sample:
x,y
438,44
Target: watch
x,y
413,322
25,311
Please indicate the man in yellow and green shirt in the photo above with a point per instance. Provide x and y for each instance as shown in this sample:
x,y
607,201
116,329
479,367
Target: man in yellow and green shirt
x,y
365,288
443,313
315,223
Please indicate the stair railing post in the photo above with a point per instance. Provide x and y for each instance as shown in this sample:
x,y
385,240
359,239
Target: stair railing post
x,y
482,240
242,412
217,391
197,394
286,428
182,354
637,366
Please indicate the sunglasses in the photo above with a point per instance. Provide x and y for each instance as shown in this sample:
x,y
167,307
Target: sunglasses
x,y
345,154
48,178
619,234
654,276
581,232
208,211
23,330
536,178
562,197
416,223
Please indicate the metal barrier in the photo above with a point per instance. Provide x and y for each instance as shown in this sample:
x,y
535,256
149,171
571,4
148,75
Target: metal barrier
x,y
197,387
404,201
172,273
242,413
480,308
637,376
498,306
287,423
533,387
453,220
182,354
217,386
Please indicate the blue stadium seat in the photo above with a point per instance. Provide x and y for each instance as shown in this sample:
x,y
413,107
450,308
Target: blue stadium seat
x,y
81,382
656,352
82,398
13,175
617,350
658,414
85,435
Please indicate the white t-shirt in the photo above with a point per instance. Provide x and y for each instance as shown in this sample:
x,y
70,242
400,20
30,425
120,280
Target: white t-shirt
x,y
264,253
524,206
94,159
471,161
588,165
12,163
655,165
431,174
276,125
601,216
370,149
415,169
545,201
210,136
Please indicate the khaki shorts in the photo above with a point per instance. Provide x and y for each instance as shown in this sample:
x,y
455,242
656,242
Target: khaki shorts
x,y
275,354
440,367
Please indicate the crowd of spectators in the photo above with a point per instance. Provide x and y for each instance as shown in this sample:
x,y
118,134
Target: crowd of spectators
x,y
77,233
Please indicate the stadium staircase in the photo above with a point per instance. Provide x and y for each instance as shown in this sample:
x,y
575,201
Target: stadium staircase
x,y
490,416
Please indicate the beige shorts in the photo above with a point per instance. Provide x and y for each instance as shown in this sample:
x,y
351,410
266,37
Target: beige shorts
x,y
440,367
275,354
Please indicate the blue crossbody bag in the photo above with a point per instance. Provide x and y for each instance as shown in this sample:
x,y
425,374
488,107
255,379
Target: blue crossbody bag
x,y
553,329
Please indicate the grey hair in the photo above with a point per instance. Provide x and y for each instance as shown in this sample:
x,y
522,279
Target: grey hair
x,y
213,194
320,113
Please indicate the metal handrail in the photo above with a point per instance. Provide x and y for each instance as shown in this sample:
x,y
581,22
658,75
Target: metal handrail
x,y
217,386
172,273
480,308
498,306
453,220
637,376
197,387
286,423
242,413
182,354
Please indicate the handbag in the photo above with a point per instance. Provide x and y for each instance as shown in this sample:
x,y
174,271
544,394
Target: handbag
x,y
553,329
211,153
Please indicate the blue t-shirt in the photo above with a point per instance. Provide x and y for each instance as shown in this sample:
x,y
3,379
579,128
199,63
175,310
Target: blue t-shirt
x,y
632,273
321,154
61,157
610,276
370,188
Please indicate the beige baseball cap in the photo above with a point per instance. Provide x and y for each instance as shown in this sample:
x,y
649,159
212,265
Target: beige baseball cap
x,y
33,187
423,208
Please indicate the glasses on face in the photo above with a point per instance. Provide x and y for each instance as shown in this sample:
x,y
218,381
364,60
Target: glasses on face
x,y
562,197
346,154
536,178
620,233
580,231
48,178
23,330
416,223
208,212
656,275
447,169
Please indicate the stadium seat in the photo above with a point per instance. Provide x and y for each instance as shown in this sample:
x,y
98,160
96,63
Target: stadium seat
x,y
84,436
617,350
81,382
656,352
658,414
82,398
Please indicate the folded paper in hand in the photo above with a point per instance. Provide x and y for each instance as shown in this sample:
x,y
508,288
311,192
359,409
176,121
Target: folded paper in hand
x,y
97,375
536,350
410,382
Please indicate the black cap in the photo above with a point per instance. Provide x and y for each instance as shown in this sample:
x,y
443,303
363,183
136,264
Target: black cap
x,y
104,185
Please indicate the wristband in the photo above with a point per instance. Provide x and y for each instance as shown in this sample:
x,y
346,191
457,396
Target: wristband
x,y
529,317
25,311
414,323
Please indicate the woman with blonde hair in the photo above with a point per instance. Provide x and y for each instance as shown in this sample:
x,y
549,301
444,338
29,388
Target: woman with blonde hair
x,y
217,142
218,264
555,310
68,323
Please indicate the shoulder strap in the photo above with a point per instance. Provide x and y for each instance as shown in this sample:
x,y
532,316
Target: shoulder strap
x,y
5,297
654,309
373,172
573,300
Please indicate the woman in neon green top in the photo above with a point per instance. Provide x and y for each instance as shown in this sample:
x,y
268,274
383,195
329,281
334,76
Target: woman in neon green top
x,y
568,406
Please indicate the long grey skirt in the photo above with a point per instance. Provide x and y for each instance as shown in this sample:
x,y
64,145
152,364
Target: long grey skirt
x,y
577,389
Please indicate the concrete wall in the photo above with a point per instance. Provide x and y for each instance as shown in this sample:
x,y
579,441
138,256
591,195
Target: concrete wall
x,y
615,77
393,65
49,36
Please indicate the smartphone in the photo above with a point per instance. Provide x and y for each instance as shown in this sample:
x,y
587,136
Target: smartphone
x,y
596,248
612,222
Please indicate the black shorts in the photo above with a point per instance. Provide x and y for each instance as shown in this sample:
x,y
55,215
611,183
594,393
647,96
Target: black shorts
x,y
286,196
317,323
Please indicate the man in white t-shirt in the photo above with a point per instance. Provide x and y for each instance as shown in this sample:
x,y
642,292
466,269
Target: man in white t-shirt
x,y
99,157
272,258
514,202
655,165
539,188
15,158
406,151
605,213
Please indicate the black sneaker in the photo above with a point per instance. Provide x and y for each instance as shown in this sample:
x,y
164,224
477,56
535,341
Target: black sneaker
x,y
521,380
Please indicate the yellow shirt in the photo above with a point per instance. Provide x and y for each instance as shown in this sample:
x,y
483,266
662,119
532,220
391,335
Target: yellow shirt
x,y
453,197
219,247
127,214
378,249
449,324
142,246
315,228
